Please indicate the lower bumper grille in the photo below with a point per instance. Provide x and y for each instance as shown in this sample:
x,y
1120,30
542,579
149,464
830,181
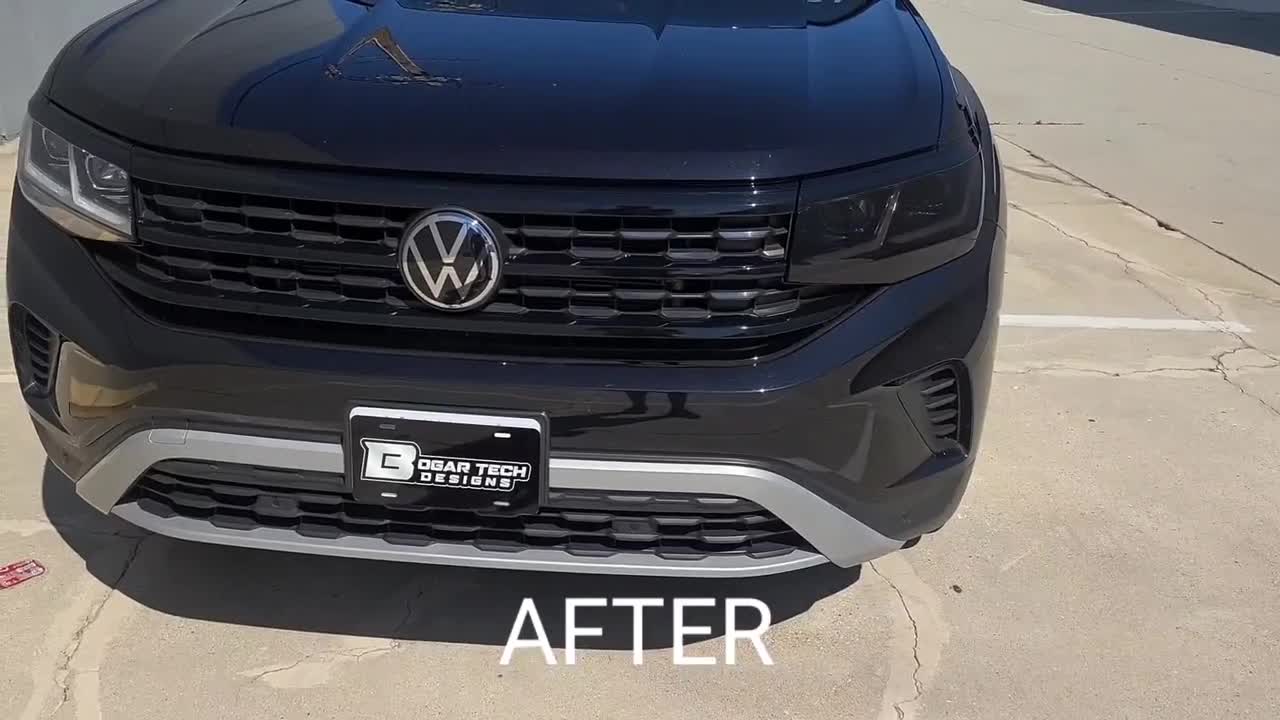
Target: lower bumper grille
x,y
579,523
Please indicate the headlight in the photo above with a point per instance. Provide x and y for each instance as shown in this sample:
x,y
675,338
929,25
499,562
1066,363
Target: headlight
x,y
86,195
889,233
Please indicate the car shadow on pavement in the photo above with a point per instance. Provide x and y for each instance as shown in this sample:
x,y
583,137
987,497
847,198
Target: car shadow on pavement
x,y
1255,30
402,601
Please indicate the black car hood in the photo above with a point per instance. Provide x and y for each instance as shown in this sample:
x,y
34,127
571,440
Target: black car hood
x,y
624,90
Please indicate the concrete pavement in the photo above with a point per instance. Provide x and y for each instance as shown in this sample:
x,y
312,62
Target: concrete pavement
x,y
1170,105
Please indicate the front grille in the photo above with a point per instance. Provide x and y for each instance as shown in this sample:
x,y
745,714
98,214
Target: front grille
x,y
580,523
553,239
594,285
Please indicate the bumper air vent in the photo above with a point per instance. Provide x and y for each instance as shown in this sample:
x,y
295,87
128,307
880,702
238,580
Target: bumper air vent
x,y
941,394
935,400
35,351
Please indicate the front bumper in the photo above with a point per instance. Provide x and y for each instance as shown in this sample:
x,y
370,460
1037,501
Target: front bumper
x,y
821,436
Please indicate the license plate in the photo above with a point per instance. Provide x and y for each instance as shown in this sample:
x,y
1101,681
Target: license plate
x,y
448,458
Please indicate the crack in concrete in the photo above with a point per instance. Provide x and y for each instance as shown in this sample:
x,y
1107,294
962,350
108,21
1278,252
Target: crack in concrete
x,y
1159,221
1219,367
354,653
1106,373
1056,367
1042,177
1126,263
62,671
282,668
393,641
1252,296
915,644
1219,359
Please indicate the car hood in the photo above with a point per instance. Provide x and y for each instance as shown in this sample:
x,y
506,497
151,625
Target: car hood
x,y
624,90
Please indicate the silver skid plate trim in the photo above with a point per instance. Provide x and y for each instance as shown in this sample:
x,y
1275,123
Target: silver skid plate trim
x,y
837,536
266,538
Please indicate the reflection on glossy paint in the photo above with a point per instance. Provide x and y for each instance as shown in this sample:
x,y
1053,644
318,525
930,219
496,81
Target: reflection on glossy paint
x,y
384,41
87,400
93,390
454,5
661,13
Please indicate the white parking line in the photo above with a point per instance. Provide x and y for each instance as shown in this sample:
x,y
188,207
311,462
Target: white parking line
x,y
1097,322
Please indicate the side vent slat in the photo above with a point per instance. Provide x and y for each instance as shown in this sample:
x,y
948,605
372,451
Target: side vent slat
x,y
939,417
946,431
940,402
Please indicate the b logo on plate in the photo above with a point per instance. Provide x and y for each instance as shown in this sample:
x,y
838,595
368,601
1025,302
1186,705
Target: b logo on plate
x,y
389,460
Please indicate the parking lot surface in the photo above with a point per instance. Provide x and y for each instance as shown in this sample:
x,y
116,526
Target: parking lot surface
x,y
1117,554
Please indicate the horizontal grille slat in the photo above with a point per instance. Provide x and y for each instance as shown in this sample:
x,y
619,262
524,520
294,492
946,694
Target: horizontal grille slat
x,y
939,385
703,288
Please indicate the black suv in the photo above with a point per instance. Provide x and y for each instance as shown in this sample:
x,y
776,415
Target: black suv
x,y
665,287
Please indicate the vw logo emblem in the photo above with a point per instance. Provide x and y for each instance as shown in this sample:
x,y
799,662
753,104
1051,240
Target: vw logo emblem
x,y
451,260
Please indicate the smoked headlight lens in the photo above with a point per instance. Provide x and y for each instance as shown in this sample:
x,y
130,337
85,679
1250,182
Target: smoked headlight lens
x,y
85,194
890,233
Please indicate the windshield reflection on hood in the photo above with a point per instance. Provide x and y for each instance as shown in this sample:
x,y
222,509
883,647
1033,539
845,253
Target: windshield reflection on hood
x,y
382,44
659,13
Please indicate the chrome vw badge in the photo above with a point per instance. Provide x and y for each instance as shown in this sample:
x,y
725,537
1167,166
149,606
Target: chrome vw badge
x,y
451,260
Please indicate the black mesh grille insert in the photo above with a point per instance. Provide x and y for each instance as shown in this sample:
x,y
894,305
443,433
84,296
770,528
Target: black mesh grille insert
x,y
676,287
581,523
